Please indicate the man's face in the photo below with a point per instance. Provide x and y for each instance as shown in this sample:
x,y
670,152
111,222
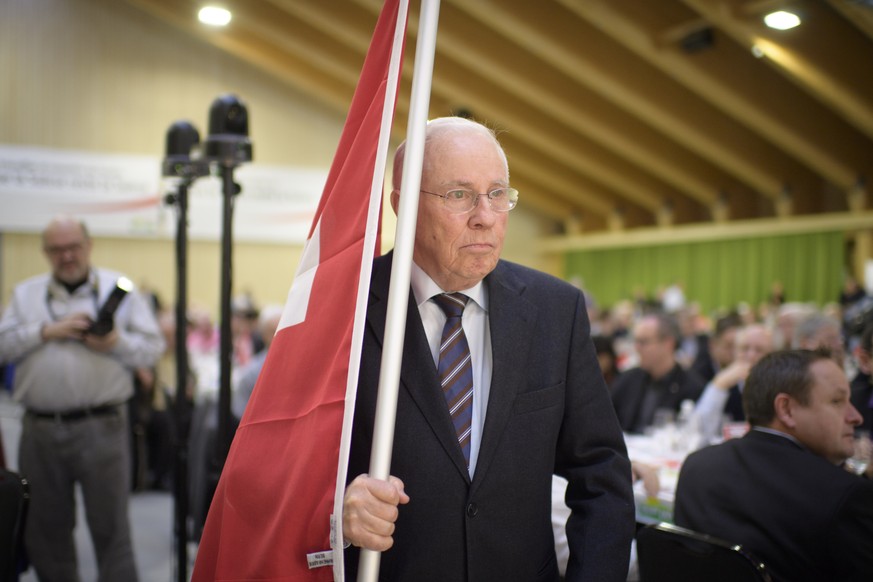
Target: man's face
x,y
655,353
826,425
459,250
722,348
752,344
68,251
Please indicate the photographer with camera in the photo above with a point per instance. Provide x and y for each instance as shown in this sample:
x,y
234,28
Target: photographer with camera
x,y
75,336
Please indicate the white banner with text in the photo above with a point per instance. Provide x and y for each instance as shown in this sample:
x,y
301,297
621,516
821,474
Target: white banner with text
x,y
125,195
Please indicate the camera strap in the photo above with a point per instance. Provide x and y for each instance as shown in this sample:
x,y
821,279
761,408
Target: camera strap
x,y
50,295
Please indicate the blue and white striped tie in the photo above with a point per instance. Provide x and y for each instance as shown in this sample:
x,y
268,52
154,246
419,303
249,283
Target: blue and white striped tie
x,y
455,369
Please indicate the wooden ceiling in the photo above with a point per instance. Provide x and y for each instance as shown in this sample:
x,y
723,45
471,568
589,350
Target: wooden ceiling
x,y
614,113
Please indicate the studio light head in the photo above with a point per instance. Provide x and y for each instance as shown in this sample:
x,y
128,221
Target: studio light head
x,y
183,139
228,141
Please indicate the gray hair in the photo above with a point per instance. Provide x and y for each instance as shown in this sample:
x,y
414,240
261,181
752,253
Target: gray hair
x,y
810,326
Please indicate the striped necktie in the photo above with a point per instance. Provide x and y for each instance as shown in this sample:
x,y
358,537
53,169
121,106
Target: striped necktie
x,y
455,369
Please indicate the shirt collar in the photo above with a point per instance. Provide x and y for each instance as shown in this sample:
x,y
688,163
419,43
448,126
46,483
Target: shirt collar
x,y
90,286
423,288
773,431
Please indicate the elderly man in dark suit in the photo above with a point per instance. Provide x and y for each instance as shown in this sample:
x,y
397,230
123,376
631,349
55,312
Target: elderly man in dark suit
x,y
470,492
780,491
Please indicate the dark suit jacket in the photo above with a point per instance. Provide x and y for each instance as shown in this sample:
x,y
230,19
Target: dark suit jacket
x,y
548,411
703,365
862,391
805,518
629,393
734,405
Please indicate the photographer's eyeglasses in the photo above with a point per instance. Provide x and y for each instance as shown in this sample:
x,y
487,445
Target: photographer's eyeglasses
x,y
461,201
57,251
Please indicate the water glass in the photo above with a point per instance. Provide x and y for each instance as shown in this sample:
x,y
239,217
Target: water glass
x,y
860,460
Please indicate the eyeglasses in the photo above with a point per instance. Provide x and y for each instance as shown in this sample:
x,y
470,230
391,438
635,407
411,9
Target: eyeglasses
x,y
57,251
461,201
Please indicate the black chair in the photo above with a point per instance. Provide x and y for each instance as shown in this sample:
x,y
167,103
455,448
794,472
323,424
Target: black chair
x,y
14,497
667,553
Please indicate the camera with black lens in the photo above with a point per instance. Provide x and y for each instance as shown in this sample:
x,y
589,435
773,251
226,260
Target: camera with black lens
x,y
105,321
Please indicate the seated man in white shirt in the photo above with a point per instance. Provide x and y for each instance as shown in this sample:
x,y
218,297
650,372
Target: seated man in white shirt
x,y
722,397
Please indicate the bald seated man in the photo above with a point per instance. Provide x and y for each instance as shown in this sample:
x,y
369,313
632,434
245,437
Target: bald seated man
x,y
722,398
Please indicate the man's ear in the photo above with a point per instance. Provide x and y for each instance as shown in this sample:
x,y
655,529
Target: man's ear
x,y
395,200
783,406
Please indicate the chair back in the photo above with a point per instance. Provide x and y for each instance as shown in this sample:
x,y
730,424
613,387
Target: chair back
x,y
667,553
14,498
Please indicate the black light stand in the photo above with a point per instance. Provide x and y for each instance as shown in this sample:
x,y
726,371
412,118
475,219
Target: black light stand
x,y
182,137
226,146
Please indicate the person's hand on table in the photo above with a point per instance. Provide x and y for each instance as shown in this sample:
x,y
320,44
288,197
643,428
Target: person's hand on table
x,y
649,476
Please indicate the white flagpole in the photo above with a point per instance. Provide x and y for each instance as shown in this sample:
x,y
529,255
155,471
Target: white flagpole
x,y
398,294
370,238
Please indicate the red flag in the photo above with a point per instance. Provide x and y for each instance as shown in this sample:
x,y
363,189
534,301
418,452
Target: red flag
x,y
273,503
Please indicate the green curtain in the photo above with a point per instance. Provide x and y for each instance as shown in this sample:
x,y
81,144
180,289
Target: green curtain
x,y
717,274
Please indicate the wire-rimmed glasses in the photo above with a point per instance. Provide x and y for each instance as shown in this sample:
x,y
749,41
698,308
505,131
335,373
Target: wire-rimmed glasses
x,y
461,200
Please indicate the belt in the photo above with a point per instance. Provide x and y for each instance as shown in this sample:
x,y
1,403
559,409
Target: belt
x,y
76,414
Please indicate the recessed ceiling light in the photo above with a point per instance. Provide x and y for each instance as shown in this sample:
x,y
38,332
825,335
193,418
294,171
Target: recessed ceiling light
x,y
782,20
214,16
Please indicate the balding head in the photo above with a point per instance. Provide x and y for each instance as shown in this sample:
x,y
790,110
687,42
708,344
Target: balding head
x,y
67,246
753,342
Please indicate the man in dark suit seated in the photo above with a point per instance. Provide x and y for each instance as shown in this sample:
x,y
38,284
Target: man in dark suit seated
x,y
717,352
780,490
471,486
659,382
862,385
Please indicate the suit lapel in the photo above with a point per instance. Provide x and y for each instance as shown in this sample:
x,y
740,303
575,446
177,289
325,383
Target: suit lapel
x,y
418,374
512,320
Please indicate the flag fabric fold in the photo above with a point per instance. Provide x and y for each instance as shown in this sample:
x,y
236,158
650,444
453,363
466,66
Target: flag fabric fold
x,y
273,503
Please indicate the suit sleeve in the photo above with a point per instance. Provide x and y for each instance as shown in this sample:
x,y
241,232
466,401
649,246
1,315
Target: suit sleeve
x,y
592,456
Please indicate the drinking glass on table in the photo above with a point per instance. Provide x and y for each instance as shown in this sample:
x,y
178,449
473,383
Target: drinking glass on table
x,y
860,460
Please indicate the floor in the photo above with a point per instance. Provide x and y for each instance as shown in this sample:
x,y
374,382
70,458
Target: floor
x,y
151,515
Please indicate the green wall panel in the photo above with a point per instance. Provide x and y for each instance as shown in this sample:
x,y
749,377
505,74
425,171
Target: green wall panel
x,y
717,274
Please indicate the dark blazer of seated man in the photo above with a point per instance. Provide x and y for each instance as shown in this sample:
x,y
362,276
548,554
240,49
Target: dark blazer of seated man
x,y
862,385
658,382
780,490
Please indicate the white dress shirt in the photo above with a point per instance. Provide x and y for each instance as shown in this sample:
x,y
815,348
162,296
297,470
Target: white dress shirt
x,y
477,330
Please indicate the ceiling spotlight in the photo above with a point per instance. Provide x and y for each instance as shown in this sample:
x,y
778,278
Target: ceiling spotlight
x,y
214,16
782,20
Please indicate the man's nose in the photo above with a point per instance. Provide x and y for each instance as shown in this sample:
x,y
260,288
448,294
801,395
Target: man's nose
x,y
854,417
482,212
